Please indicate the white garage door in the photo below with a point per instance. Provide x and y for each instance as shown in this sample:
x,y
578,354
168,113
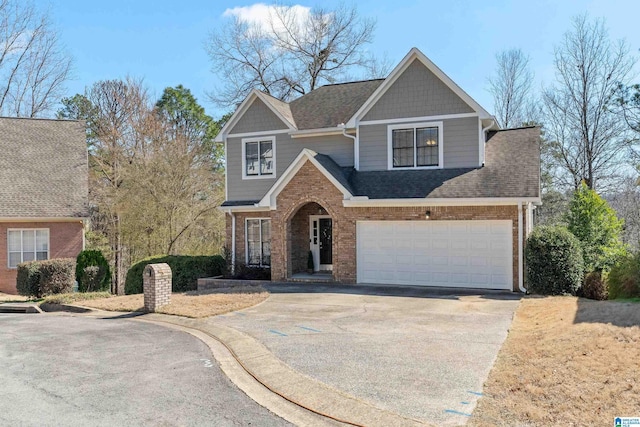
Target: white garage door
x,y
469,254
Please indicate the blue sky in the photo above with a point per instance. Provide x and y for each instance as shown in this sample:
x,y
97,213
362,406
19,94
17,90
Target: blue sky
x,y
163,41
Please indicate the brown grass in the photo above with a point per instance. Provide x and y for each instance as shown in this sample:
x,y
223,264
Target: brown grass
x,y
11,298
189,304
567,361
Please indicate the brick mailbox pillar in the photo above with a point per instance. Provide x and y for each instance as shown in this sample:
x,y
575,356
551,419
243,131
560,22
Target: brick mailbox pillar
x,y
156,282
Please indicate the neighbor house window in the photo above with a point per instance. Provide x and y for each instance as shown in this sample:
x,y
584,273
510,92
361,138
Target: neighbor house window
x,y
258,157
415,146
27,245
258,242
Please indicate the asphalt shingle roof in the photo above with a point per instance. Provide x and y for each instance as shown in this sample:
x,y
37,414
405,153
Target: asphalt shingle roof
x,y
43,168
512,169
330,105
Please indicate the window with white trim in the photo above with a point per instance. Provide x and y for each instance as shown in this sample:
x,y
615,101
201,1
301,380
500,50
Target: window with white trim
x,y
258,157
258,232
27,245
415,146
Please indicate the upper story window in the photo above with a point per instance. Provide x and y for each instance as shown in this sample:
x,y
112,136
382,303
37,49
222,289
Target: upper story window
x,y
258,157
417,146
27,245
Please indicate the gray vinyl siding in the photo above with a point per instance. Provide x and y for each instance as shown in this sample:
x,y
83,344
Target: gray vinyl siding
x,y
258,117
417,93
338,147
460,140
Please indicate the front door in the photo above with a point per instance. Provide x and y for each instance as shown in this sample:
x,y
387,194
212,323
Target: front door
x,y
321,238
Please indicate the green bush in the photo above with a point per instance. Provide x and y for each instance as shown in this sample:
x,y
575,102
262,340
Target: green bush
x,y
90,258
595,224
185,270
624,278
57,276
28,279
554,261
594,286
92,279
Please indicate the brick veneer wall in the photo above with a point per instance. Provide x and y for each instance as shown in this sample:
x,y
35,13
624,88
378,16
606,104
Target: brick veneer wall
x,y
309,185
65,241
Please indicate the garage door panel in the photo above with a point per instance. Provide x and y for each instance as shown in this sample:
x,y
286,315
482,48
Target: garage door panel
x,y
436,253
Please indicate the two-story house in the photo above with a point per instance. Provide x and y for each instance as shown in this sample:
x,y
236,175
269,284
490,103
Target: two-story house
x,y
402,180
43,192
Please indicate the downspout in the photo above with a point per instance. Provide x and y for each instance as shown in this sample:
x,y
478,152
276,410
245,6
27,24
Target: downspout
x,y
520,260
484,135
356,146
233,242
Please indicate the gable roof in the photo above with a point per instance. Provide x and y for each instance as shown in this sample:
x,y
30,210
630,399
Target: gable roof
x,y
43,168
280,108
325,165
415,54
344,103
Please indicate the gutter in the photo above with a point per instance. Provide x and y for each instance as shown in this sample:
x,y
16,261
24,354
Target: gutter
x,y
520,252
356,146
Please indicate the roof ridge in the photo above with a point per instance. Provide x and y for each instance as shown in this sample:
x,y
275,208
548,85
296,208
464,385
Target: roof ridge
x,y
39,119
351,82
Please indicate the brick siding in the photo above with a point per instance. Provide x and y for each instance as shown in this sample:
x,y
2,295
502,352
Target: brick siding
x,y
65,241
309,188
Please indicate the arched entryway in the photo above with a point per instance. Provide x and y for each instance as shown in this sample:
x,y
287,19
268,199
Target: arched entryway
x,y
310,230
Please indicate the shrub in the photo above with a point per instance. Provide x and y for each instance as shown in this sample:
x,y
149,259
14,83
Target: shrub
x,y
28,279
91,258
245,272
57,276
554,261
624,278
594,286
92,279
185,270
595,224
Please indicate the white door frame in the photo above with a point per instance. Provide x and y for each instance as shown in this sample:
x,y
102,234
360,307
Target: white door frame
x,y
314,244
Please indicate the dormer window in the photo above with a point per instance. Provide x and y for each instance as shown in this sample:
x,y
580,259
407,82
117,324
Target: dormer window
x,y
258,158
415,146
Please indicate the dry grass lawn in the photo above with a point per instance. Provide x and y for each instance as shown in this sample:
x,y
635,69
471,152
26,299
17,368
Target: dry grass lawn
x,y
189,304
567,361
11,298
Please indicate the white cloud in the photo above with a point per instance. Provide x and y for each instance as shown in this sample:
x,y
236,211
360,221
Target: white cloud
x,y
260,14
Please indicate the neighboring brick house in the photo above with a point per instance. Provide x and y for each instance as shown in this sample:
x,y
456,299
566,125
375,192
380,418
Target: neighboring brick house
x,y
43,192
403,180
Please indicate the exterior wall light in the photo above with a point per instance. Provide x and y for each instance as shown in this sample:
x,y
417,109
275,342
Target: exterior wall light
x,y
427,215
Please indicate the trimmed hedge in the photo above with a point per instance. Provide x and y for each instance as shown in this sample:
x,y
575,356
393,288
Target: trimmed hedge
x,y
185,270
554,261
41,278
624,278
92,258
28,279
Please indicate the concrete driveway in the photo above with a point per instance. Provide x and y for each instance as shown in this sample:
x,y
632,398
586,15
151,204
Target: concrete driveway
x,y
421,353
79,371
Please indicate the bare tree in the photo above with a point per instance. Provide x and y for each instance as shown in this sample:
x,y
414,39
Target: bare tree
x,y
119,128
588,138
292,53
33,65
511,89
